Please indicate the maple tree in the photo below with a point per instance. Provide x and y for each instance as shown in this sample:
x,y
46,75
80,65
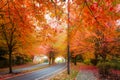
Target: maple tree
x,y
15,25
50,26
92,27
23,17
95,23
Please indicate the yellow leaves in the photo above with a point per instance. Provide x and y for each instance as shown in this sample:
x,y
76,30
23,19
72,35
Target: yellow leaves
x,y
88,55
40,18
53,15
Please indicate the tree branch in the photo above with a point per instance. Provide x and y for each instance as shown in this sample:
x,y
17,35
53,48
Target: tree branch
x,y
17,12
93,14
3,5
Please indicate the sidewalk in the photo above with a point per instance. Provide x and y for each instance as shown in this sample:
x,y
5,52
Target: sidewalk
x,y
21,68
87,73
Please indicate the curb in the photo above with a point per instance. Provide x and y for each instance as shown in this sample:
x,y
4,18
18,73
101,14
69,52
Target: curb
x,y
22,73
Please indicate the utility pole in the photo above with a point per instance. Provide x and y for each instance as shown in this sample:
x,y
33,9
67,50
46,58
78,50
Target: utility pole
x,y
68,41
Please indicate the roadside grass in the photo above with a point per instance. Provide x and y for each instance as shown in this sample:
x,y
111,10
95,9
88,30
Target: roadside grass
x,y
18,66
64,76
25,66
6,76
38,68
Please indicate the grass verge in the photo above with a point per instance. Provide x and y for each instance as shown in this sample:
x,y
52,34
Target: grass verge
x,y
73,73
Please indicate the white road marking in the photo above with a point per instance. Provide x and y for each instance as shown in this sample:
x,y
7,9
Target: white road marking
x,y
50,73
25,73
56,74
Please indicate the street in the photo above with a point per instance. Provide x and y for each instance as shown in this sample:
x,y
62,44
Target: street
x,y
25,68
41,74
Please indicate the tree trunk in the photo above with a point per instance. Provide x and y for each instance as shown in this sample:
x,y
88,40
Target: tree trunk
x,y
10,61
75,61
53,60
50,61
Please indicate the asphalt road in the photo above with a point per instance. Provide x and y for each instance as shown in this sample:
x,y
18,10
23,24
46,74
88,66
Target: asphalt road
x,y
41,74
31,67
25,69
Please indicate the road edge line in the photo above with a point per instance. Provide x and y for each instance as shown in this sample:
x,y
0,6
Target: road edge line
x,y
50,73
24,73
57,74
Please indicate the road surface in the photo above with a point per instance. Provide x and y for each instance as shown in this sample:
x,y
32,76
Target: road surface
x,y
25,69
41,74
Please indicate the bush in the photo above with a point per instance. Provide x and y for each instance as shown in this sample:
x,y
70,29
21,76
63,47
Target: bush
x,y
104,68
115,64
4,63
116,67
22,60
94,61
87,61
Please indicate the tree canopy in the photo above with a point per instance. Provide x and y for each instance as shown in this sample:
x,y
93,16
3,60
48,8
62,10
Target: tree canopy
x,y
28,25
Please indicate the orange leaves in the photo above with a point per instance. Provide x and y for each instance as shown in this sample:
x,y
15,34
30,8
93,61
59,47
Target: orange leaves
x,y
78,2
19,29
89,19
80,42
97,20
94,6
